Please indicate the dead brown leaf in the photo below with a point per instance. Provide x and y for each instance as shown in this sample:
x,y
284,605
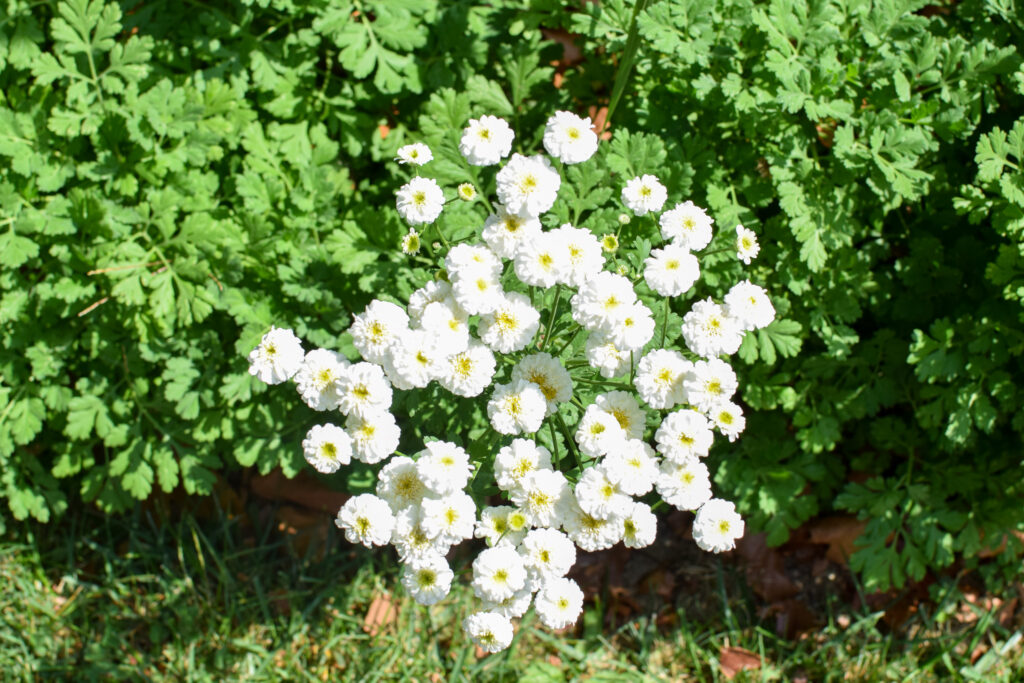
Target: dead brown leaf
x,y
380,615
304,489
839,534
599,116
736,659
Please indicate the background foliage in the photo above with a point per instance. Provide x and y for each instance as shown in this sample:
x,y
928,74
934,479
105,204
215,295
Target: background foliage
x,y
178,176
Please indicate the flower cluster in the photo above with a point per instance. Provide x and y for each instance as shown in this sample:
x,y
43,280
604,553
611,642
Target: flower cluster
x,y
479,327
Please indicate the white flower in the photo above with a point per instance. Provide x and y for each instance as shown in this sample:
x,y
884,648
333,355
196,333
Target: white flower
x,y
513,606
542,496
747,247
543,261
317,378
659,378
709,332
511,326
428,579
516,408
420,201
559,603
717,526
687,225
466,192
470,372
379,326
327,447
627,412
685,484
486,140
466,260
640,526
414,361
592,533
450,519
498,573
643,194
550,376
602,301
374,436
528,186
606,357
448,325
409,538
598,432
729,419
518,459
490,631
416,154
363,389
750,305
366,519
584,253
494,526
547,553
443,467
477,292
598,495
435,291
683,435
278,356
634,329
505,231
633,468
399,483
569,137
411,243
671,271
709,382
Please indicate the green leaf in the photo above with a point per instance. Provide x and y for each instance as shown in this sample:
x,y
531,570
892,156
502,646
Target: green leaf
x,y
16,250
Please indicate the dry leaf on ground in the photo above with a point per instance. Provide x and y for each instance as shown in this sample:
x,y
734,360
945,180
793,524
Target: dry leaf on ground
x,y
736,659
381,613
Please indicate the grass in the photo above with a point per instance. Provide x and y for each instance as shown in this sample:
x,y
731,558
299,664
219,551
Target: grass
x,y
200,594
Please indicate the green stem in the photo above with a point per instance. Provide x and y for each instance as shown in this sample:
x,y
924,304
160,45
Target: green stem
x,y
551,320
568,341
664,323
570,444
437,226
626,63
555,453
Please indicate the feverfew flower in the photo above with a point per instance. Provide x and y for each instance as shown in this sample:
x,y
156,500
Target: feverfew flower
x,y
599,496
683,435
494,526
490,631
543,261
278,357
416,154
584,253
399,483
610,243
643,194
640,526
511,326
450,519
415,359
659,378
505,231
374,436
498,573
671,271
363,390
327,447
598,432
428,579
547,553
516,408
750,305
513,606
409,538
687,225
435,291
717,526
626,411
709,382
602,301
729,419
443,467
633,468
318,376
709,332
634,329
550,376
559,603
466,259
569,137
420,200
685,484
610,360
542,495
528,186
466,192
379,326
746,244
592,533
486,140
518,459
477,292
366,519
448,325
468,373
411,243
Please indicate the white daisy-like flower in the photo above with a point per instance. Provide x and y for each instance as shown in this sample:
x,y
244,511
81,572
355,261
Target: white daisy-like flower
x,y
498,573
671,271
717,526
598,432
640,526
419,201
511,326
363,390
585,257
428,579
505,231
516,408
627,412
659,378
747,247
610,243
750,305
470,372
633,468
609,359
490,631
569,137
548,554
435,291
511,607
450,519
542,495
414,361
374,436
543,261
317,378
486,140
559,603
278,356
466,260
467,192
415,154
709,382
687,225
709,332
410,539
448,325
443,467
528,186
518,459
602,301
366,519
327,447
400,484
728,417
550,376
633,329
592,533
379,326
644,194
598,495
411,243
683,435
494,526
477,292
685,485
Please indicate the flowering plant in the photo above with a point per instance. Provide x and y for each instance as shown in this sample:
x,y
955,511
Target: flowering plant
x,y
566,335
